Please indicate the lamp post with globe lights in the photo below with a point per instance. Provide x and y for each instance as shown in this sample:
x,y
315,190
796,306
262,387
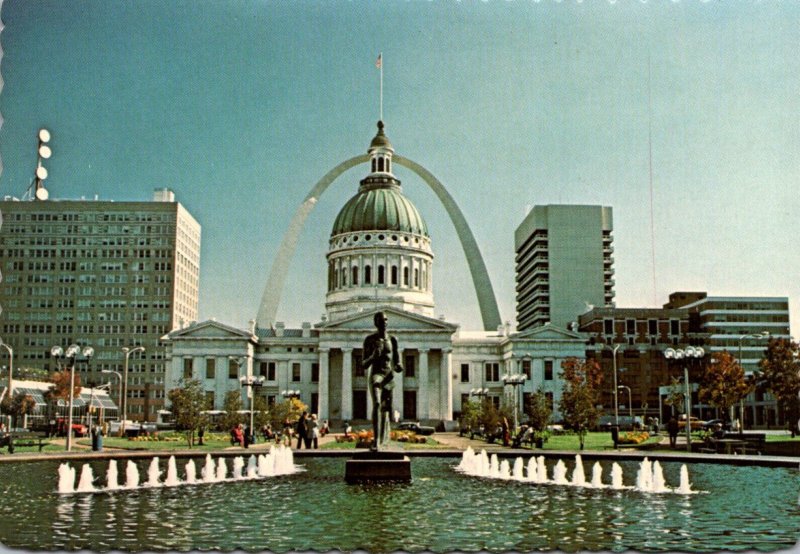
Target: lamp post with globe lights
x,y
251,382
67,360
757,336
127,351
684,357
119,376
515,380
614,365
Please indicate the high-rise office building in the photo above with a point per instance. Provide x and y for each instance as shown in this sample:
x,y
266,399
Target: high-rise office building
x,y
564,264
102,274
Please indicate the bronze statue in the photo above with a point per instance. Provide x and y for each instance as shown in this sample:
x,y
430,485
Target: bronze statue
x,y
381,356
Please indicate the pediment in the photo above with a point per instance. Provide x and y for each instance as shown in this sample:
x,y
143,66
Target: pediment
x,y
547,332
210,329
398,320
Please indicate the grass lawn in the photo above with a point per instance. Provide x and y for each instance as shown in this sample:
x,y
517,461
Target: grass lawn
x,y
592,441
33,449
783,438
210,442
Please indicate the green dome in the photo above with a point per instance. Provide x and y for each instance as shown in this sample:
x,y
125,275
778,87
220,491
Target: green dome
x,y
379,209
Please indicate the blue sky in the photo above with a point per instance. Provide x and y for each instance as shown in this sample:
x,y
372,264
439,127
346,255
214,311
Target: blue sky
x,y
241,106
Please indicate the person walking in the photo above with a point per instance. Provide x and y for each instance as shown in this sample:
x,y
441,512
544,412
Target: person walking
x,y
313,432
302,430
672,429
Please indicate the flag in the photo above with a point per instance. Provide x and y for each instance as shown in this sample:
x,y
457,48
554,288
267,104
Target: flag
x,y
379,61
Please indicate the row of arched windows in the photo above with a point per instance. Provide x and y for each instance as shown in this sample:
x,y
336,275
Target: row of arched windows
x,y
381,164
407,278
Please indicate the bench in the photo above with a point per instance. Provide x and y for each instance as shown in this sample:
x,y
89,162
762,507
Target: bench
x,y
755,442
14,440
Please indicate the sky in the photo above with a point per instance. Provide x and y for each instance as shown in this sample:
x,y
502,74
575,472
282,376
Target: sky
x,y
242,106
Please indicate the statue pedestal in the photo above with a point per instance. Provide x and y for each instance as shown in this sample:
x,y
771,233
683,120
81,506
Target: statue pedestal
x,y
377,467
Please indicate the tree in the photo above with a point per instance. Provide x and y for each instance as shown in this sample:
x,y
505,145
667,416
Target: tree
x,y
675,397
232,405
539,413
723,384
188,406
59,390
579,399
287,411
18,407
780,373
261,417
470,415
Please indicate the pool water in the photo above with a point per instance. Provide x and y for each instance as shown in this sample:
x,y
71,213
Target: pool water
x,y
441,510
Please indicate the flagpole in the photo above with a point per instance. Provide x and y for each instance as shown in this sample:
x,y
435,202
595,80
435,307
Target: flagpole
x,y
381,86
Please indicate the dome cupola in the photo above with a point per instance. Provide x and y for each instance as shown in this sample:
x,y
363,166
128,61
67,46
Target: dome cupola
x,y
379,251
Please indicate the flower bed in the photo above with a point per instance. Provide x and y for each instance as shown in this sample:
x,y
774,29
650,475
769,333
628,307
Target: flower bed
x,y
634,437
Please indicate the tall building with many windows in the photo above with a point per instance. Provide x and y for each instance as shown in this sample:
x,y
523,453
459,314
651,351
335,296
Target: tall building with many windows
x,y
102,274
564,264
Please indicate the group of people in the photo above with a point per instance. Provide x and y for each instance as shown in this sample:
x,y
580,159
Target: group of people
x,y
309,431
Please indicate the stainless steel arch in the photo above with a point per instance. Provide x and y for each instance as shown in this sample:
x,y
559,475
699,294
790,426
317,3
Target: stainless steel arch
x,y
277,276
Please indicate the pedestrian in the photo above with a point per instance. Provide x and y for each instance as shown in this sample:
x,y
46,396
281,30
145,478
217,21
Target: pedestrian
x,y
348,429
247,437
302,430
200,434
325,429
238,435
313,432
672,429
506,432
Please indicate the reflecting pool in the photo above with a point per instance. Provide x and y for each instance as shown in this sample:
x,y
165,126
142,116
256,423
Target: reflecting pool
x,y
441,510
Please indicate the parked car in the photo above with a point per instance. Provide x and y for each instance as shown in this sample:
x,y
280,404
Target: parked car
x,y
695,423
711,424
415,427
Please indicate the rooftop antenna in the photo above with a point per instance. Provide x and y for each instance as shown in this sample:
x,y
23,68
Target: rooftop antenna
x,y
36,189
379,65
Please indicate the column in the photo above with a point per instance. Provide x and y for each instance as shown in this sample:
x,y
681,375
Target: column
x,y
347,383
423,405
446,386
397,394
322,390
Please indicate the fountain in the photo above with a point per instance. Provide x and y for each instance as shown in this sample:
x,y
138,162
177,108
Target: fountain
x,y
153,474
66,479
650,477
172,473
278,461
112,475
86,482
131,476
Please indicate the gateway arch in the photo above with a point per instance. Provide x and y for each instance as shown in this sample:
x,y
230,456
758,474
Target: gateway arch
x,y
273,289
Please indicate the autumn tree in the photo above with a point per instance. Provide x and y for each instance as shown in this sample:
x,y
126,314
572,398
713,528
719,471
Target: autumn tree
x,y
261,416
189,404
675,395
18,407
288,411
780,374
580,396
539,412
723,384
59,390
470,414
232,405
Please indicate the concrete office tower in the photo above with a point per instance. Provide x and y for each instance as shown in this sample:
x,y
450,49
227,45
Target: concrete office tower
x,y
564,264
102,274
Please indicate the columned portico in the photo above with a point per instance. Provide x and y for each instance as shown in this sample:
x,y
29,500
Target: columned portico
x,y
397,395
347,384
446,386
423,402
324,378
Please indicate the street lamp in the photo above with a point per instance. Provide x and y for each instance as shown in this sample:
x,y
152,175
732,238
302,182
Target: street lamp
x,y
515,380
127,351
690,354
71,358
630,402
616,398
10,368
289,394
119,375
251,382
761,335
